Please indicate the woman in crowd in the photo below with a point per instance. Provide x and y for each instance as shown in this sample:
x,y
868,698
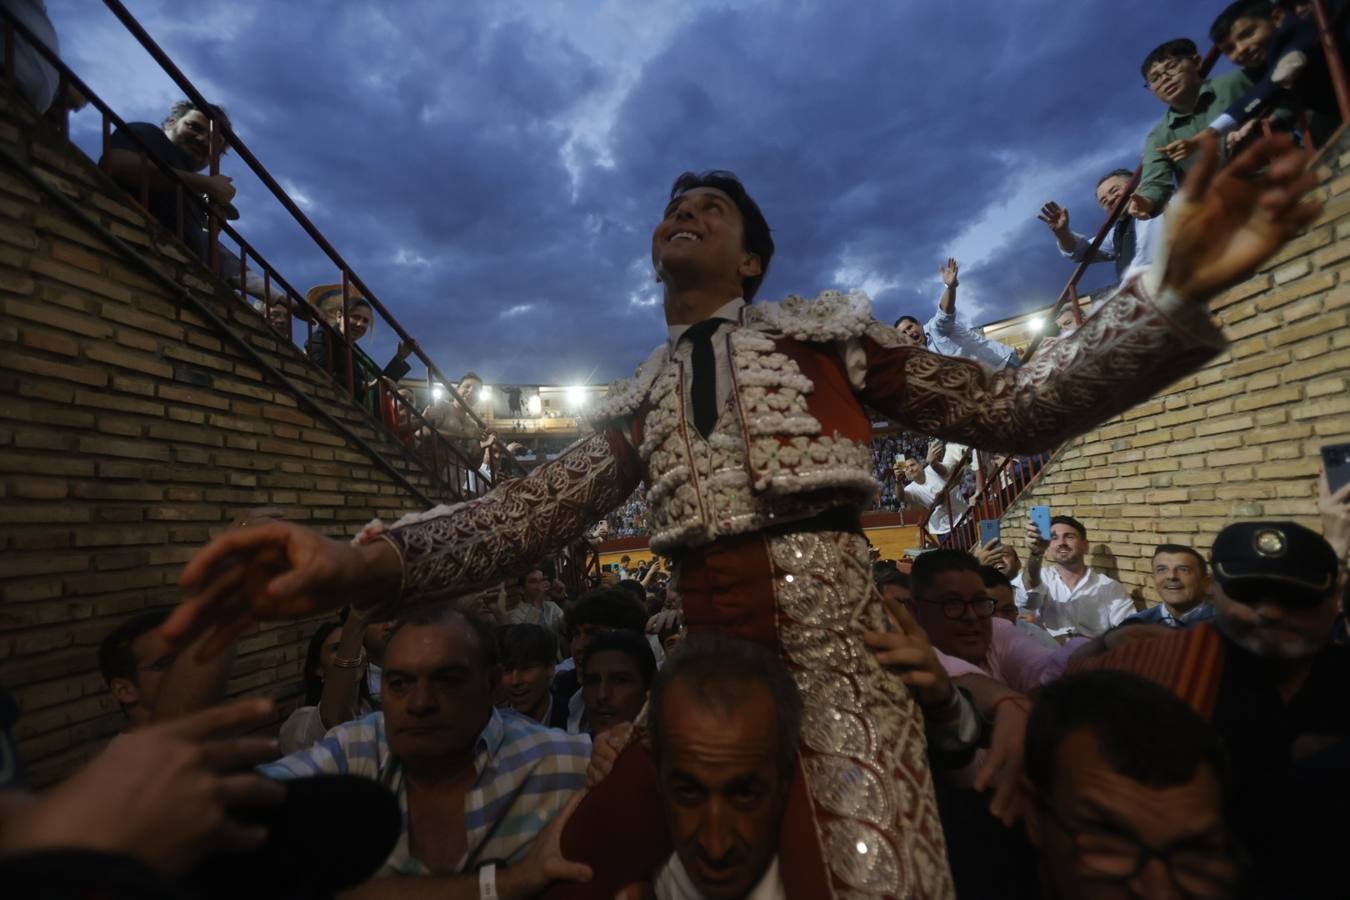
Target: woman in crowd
x,y
336,687
327,349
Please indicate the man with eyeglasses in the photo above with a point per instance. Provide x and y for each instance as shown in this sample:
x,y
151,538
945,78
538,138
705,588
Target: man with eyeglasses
x,y
1172,73
955,607
1124,793
1265,673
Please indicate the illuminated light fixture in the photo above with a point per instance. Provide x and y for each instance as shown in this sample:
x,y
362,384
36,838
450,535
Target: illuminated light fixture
x,y
1036,325
437,392
535,405
576,396
484,394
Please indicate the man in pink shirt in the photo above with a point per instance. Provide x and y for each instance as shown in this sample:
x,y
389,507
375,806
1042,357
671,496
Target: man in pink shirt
x,y
956,610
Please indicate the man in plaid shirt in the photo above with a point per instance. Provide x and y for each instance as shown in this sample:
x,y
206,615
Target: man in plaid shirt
x,y
476,785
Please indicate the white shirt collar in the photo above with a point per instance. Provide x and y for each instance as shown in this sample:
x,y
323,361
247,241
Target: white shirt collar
x,y
730,312
674,883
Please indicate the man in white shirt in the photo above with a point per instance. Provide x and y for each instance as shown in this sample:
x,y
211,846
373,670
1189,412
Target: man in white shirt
x,y
724,718
925,485
1071,598
946,335
1130,243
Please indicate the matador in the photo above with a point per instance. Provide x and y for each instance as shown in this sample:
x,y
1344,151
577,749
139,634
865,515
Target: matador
x,y
750,426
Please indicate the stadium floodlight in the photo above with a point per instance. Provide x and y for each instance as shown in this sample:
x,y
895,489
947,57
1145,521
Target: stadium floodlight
x,y
535,405
576,396
485,394
1036,325
437,392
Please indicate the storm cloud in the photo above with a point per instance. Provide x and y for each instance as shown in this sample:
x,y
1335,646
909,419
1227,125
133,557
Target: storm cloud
x,y
493,169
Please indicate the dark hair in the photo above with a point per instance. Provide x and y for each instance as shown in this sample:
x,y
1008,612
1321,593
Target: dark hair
x,y
314,660
883,575
467,375
1072,523
1114,173
635,589
524,645
994,578
1179,48
1181,548
212,111
533,567
1241,9
115,658
613,607
633,644
1145,732
907,319
928,566
444,614
718,670
755,228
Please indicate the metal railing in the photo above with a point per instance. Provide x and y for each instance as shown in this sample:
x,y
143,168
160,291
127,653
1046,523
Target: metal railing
x,y
459,472
998,489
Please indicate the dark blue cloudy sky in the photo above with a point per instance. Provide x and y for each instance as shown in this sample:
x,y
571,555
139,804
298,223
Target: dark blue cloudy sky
x,y
493,168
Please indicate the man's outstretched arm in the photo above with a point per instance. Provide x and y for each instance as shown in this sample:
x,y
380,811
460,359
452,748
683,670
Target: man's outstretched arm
x,y
282,570
1226,224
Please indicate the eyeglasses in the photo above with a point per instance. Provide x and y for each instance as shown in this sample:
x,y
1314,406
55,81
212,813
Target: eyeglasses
x,y
955,609
1200,869
1168,69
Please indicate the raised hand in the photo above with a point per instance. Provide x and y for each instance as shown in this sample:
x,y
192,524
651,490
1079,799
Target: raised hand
x,y
988,553
1140,207
278,570
1001,768
908,652
1055,217
949,272
165,794
1228,221
1182,148
1035,542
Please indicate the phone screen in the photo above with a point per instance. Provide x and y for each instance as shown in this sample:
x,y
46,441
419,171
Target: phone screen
x,y
989,531
1336,458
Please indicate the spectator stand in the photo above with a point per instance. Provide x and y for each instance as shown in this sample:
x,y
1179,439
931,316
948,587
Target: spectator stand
x,y
995,491
445,461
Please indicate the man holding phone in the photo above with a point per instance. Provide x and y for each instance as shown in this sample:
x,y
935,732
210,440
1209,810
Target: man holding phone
x,y
1071,597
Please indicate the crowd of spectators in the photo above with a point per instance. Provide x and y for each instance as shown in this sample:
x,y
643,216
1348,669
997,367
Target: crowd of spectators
x,y
1079,747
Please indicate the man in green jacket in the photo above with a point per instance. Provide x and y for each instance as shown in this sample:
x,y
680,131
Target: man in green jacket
x,y
1172,73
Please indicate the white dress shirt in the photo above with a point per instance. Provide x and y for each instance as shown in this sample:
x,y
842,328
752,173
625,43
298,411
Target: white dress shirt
x,y
1147,233
925,495
674,883
729,313
1095,605
951,337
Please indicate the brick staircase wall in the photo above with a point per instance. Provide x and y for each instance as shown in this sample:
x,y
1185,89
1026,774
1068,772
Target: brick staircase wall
x,y
131,431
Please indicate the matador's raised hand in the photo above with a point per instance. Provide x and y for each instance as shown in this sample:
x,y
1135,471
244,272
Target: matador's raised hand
x,y
278,570
1228,221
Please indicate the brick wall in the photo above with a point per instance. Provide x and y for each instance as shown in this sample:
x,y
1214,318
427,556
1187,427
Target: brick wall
x,y
130,432
1237,440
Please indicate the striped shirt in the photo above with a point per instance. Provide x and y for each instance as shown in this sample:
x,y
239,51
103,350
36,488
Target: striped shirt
x,y
526,774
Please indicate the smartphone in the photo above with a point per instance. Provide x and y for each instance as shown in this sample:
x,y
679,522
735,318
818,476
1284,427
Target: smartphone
x,y
989,531
1336,458
1040,515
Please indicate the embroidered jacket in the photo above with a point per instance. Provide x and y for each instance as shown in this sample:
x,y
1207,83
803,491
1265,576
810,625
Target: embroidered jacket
x,y
793,439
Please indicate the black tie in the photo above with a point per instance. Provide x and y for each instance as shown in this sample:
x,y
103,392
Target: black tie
x,y
704,386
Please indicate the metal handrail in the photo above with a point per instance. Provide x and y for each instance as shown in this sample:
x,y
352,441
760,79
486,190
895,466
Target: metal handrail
x,y
454,477
1070,295
235,143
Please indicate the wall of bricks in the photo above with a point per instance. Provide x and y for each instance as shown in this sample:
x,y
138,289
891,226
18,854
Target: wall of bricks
x,y
1237,440
131,431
